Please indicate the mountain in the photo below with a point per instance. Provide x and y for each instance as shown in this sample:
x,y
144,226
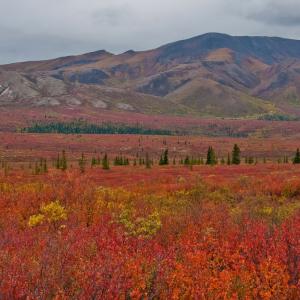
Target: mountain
x,y
208,75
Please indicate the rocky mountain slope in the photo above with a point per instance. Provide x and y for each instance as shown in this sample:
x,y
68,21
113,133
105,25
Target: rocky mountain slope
x,y
208,75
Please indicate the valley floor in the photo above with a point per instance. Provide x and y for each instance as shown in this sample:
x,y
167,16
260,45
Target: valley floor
x,y
129,232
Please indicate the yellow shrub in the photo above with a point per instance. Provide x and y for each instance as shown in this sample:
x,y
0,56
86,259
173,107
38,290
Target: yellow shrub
x,y
52,213
35,220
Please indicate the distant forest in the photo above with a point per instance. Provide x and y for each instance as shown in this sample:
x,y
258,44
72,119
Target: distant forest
x,y
83,127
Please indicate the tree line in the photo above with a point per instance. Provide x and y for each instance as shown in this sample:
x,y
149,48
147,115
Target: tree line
x,y
83,127
233,158
61,162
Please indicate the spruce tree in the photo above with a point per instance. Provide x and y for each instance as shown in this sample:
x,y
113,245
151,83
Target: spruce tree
x,y
297,157
63,163
148,162
236,152
93,162
166,157
251,160
105,162
57,164
44,166
82,163
36,169
228,159
187,160
211,157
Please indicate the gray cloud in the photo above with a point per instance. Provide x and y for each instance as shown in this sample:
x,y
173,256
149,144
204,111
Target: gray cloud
x,y
273,12
40,29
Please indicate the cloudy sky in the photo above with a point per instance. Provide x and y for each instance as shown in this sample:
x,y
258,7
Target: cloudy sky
x,y
40,29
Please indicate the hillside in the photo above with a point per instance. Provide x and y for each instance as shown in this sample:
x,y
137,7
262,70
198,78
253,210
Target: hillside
x,y
213,75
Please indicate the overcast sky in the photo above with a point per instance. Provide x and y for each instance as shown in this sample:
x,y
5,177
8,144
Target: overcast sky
x,y
40,29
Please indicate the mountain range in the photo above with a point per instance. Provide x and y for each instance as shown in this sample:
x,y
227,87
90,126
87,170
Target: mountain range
x,y
214,75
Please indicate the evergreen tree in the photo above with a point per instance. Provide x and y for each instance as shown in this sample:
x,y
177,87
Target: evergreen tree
x,y
82,163
228,159
44,166
36,169
166,157
63,164
211,157
236,152
93,162
105,162
148,162
250,160
126,162
297,157
57,164
222,161
6,169
187,160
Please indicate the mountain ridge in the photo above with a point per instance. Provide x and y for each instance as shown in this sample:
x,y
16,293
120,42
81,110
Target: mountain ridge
x,y
208,75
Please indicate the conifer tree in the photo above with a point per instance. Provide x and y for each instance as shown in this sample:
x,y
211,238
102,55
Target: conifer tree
x,y
166,157
161,161
36,169
82,163
236,152
211,157
297,157
187,160
105,162
6,169
148,162
63,163
93,162
228,159
250,160
57,164
44,166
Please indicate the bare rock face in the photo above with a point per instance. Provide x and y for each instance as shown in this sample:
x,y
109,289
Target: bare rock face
x,y
208,75
125,106
99,104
